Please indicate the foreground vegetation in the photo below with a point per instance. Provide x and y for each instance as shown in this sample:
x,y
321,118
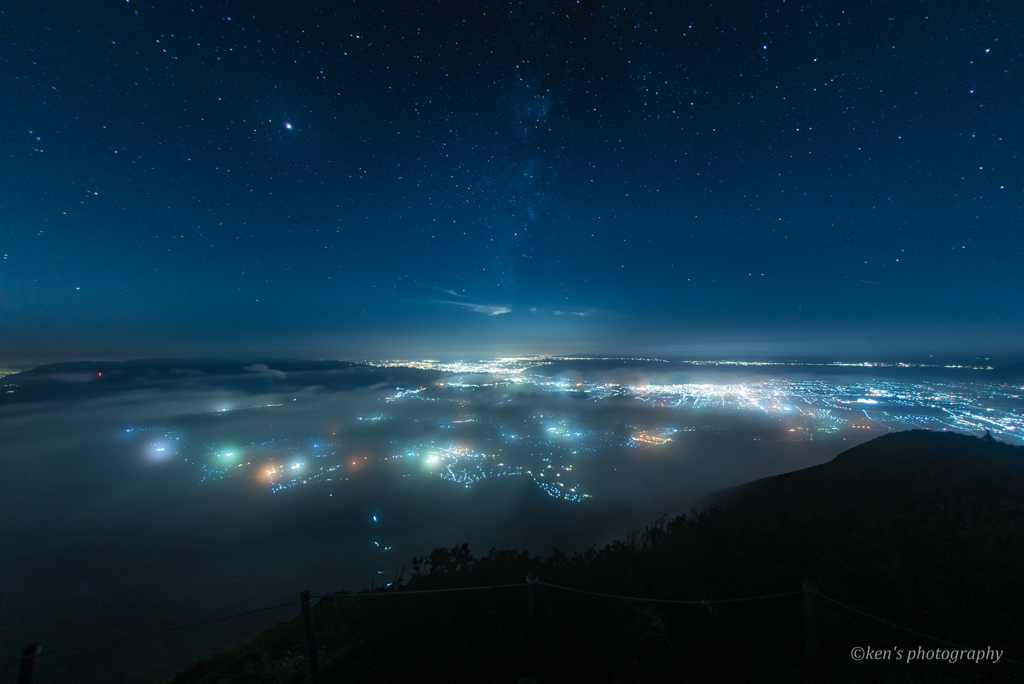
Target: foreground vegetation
x,y
924,529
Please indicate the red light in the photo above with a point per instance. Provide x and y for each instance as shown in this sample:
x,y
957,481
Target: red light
x,y
101,375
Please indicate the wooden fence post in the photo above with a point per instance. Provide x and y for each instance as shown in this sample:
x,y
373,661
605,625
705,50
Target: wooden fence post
x,y
810,633
27,666
531,593
307,623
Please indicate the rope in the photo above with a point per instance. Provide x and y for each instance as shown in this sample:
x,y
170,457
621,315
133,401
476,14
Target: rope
x,y
418,591
905,629
702,602
164,631
261,610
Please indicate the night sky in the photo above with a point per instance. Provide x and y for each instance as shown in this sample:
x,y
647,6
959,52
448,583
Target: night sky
x,y
360,179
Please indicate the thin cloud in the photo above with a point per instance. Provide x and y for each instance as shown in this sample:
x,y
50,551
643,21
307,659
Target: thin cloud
x,y
264,368
489,309
586,312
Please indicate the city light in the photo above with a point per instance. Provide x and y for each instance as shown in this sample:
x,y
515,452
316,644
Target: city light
x,y
550,447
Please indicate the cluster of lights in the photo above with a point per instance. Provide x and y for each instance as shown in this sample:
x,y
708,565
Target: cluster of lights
x,y
548,481
842,364
503,366
805,408
889,405
649,439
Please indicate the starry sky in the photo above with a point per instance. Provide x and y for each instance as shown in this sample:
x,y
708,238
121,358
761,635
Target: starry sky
x,y
361,179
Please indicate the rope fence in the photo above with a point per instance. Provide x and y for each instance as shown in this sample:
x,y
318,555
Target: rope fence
x,y
31,652
906,629
417,591
703,602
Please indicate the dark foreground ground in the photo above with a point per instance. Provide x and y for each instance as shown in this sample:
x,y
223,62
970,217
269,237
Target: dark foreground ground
x,y
923,529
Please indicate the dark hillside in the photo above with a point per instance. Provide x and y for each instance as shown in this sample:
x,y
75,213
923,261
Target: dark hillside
x,y
923,529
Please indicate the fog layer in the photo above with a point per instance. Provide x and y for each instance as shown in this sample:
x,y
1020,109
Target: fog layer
x,y
170,497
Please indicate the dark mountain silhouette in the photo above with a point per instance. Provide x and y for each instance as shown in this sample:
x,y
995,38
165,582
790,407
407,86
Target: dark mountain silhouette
x,y
923,529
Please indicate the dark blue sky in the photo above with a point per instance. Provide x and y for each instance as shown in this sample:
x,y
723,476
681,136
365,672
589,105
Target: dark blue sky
x,y
358,179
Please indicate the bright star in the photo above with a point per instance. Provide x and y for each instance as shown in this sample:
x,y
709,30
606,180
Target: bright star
x,y
288,126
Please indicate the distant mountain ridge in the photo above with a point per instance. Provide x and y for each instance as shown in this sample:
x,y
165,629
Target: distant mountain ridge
x,y
152,367
81,379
